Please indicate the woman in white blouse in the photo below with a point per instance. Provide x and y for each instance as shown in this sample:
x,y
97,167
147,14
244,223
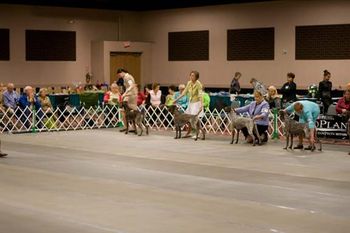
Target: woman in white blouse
x,y
155,95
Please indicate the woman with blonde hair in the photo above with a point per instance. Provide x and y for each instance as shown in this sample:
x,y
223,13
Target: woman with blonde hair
x,y
258,110
273,97
44,100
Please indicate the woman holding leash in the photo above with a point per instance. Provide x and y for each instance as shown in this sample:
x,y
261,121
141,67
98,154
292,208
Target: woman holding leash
x,y
194,91
259,111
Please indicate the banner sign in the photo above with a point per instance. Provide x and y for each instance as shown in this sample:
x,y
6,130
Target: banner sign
x,y
331,127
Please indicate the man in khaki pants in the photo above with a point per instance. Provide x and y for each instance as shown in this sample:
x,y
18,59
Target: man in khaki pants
x,y
130,94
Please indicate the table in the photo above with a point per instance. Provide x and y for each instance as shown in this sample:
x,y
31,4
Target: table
x,y
220,101
75,100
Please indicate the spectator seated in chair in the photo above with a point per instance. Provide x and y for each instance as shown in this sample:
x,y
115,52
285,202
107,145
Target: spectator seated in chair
x,y
27,102
112,100
343,104
183,101
46,108
10,98
273,98
169,100
141,97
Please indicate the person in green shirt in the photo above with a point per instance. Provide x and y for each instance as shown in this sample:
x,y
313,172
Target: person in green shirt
x,y
206,100
194,91
171,96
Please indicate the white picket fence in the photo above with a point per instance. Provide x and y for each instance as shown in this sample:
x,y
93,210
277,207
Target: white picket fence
x,y
71,118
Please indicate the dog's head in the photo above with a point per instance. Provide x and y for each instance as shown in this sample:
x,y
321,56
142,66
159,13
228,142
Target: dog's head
x,y
172,108
283,115
125,105
227,109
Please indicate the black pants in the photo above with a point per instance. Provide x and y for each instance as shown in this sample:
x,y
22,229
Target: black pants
x,y
326,103
262,129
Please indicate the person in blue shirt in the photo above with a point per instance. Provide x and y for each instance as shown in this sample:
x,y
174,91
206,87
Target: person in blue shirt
x,y
10,97
183,101
258,110
26,102
308,113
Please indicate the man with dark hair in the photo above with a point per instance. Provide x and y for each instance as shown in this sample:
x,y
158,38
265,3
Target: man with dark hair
x,y
289,89
120,80
235,87
130,94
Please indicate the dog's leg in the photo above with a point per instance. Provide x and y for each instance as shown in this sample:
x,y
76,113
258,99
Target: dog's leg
x,y
233,135
251,131
127,126
238,130
134,124
139,124
176,130
287,141
202,129
145,124
291,141
179,130
257,133
197,130
318,140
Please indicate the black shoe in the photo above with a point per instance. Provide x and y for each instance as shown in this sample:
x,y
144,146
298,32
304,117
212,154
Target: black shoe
x,y
2,155
300,147
312,148
122,130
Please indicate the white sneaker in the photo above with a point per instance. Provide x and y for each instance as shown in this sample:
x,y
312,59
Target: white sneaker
x,y
194,137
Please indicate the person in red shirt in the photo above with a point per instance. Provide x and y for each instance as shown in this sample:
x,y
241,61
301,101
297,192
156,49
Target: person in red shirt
x,y
141,97
343,105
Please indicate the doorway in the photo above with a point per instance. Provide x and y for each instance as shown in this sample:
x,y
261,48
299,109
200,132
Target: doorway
x,y
129,61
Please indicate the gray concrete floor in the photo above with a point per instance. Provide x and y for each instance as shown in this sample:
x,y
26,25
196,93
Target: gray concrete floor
x,y
104,181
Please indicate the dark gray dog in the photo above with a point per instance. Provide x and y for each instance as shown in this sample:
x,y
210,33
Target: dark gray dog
x,y
181,119
238,123
294,128
135,117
